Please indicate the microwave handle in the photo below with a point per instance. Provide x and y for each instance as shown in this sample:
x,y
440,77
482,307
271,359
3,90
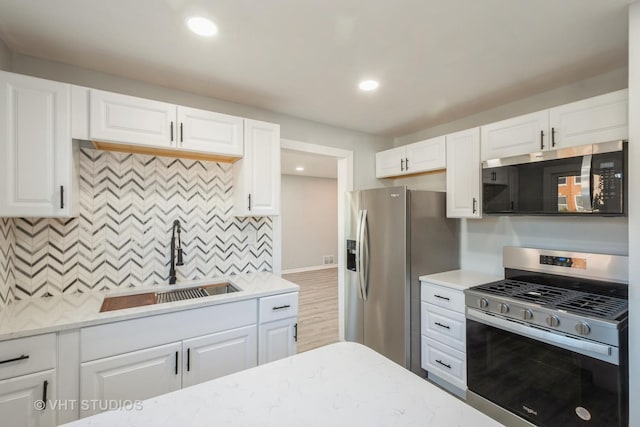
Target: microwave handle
x,y
585,180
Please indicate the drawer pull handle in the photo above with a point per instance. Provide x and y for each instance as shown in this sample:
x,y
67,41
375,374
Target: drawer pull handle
x,y
15,359
442,326
280,307
45,385
443,364
441,297
176,368
188,360
295,333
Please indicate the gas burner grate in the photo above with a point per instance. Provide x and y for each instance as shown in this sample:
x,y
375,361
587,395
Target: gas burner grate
x,y
505,287
543,294
595,305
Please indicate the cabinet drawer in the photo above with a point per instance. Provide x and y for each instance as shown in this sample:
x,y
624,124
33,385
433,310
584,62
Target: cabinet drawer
x,y
278,307
122,337
27,355
441,296
445,362
444,325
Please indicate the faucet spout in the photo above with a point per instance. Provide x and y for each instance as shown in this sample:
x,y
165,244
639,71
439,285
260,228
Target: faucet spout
x,y
176,246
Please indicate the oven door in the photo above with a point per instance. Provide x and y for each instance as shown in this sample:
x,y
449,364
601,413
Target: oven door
x,y
543,383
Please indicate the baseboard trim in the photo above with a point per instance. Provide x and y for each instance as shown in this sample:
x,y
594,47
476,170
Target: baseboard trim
x,y
302,270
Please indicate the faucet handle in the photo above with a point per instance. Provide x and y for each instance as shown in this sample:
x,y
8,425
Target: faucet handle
x,y
179,261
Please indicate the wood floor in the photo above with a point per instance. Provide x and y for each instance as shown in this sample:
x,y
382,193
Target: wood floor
x,y
318,307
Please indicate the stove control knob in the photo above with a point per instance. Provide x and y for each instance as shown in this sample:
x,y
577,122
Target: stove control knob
x,y
504,308
527,314
583,328
553,321
483,303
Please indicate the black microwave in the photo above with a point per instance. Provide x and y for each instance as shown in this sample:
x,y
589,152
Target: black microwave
x,y
583,180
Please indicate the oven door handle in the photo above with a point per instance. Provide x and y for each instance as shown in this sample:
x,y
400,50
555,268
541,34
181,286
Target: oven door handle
x,y
599,351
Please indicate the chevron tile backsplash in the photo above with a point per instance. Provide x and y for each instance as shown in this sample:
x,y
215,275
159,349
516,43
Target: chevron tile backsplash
x,y
7,246
128,203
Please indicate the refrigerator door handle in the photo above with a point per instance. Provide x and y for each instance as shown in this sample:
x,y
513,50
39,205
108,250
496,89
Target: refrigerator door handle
x,y
359,254
365,255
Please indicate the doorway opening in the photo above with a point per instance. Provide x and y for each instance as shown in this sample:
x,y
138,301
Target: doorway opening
x,y
344,182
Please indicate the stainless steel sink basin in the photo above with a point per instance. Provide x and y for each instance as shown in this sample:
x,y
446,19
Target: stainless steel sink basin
x,y
191,293
150,298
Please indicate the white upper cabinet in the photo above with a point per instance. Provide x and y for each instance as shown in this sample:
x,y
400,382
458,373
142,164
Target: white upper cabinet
x,y
206,131
599,119
153,125
516,136
36,153
256,177
426,155
422,156
463,174
390,162
126,119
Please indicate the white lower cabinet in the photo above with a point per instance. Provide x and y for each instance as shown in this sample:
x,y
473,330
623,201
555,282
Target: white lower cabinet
x,y
216,355
444,335
26,401
107,383
278,339
278,331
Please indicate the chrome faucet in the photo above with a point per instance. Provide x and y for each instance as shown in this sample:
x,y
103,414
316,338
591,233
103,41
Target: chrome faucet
x,y
175,248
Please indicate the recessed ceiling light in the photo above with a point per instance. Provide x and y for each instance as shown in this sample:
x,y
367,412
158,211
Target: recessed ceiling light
x,y
300,168
368,85
202,26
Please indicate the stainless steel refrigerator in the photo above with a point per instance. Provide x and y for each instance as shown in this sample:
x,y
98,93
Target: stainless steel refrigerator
x,y
394,236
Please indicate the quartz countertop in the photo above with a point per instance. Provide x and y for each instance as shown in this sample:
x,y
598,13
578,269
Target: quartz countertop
x,y
343,384
460,279
52,314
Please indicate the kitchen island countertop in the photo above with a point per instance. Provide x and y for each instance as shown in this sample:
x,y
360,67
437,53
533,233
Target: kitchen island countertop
x,y
343,384
69,311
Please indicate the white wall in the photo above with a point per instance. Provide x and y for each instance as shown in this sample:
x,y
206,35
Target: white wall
x,y
634,213
363,145
5,57
309,221
482,240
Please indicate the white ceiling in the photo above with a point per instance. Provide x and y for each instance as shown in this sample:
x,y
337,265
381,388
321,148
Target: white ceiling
x,y
314,164
436,60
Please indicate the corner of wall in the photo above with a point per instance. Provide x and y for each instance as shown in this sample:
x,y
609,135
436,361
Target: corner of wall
x,y
6,57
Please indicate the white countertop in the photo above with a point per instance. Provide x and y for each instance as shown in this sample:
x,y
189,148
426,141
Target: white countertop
x,y
43,315
460,279
343,384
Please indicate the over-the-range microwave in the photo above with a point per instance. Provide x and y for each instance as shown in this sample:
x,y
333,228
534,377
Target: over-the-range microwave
x,y
583,180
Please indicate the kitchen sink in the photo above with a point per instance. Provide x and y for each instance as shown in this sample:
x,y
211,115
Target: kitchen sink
x,y
150,298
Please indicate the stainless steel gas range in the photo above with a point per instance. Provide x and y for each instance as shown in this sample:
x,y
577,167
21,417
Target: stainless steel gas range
x,y
549,342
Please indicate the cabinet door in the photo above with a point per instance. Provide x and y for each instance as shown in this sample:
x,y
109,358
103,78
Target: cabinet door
x,y
391,162
256,176
21,400
277,340
598,119
129,120
216,355
519,135
425,155
132,376
463,174
209,132
36,155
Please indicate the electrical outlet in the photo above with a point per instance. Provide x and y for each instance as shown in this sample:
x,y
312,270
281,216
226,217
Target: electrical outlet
x,y
327,259
252,236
